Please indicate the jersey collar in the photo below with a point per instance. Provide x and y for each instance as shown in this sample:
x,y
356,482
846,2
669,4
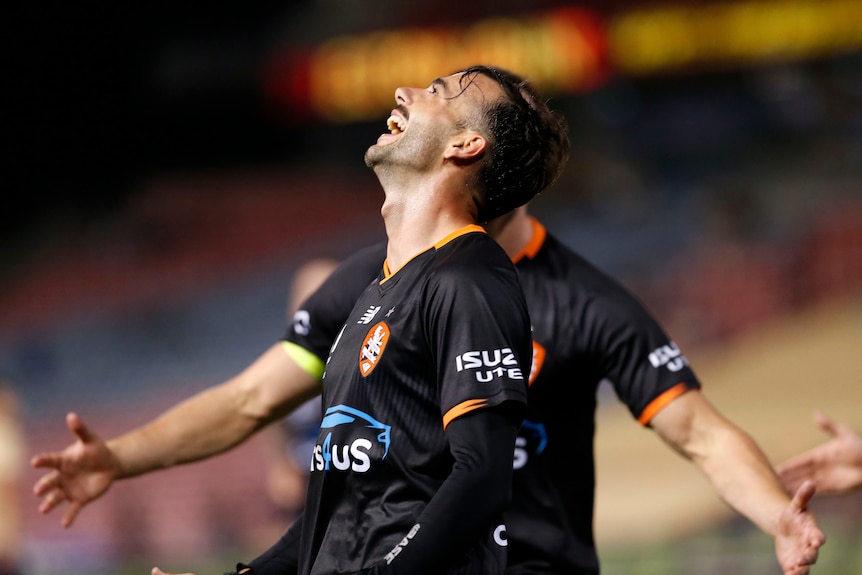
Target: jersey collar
x,y
535,244
387,273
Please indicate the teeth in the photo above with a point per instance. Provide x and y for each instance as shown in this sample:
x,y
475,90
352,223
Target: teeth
x,y
395,124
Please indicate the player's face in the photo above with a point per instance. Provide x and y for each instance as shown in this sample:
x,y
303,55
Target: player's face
x,y
425,119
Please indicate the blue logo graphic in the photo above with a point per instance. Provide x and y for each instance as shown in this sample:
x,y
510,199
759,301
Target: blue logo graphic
x,y
536,433
343,414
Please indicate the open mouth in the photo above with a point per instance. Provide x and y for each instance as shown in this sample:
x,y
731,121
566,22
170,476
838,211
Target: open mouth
x,y
396,124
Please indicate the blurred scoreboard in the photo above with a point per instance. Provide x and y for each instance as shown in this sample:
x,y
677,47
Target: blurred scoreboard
x,y
563,51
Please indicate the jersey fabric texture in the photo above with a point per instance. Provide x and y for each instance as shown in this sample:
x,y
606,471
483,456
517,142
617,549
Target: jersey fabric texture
x,y
587,328
446,334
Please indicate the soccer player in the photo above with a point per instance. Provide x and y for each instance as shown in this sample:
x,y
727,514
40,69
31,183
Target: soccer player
x,y
835,465
425,385
586,328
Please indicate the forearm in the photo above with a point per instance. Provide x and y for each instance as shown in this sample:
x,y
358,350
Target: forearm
x,y
217,418
743,477
737,468
204,425
467,504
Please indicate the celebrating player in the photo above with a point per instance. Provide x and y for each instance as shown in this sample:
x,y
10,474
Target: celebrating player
x,y
426,382
586,328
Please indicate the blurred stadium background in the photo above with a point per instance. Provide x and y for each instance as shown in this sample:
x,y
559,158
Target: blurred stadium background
x,y
170,166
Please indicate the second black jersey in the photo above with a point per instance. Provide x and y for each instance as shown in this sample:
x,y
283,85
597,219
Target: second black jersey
x,y
444,335
586,328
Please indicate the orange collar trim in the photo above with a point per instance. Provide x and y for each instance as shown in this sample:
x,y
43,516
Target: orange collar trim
x,y
535,244
459,232
471,228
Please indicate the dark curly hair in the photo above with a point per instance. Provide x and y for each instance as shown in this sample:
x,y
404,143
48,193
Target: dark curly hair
x,y
529,144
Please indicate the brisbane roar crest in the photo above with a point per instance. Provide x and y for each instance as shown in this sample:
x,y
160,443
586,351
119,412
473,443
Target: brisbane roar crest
x,y
372,349
538,361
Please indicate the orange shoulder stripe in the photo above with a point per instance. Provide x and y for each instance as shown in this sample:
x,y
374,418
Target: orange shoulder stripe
x,y
661,402
462,408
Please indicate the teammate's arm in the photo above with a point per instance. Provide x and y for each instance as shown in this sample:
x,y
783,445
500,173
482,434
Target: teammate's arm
x,y
206,424
743,477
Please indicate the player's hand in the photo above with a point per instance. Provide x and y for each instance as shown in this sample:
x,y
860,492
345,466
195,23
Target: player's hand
x,y
79,474
798,538
157,571
836,465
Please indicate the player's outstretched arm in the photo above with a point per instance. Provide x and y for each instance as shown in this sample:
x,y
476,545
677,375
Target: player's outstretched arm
x,y
835,465
204,425
743,477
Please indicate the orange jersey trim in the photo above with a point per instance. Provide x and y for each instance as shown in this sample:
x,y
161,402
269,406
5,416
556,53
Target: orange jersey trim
x,y
459,232
661,402
462,408
535,244
388,273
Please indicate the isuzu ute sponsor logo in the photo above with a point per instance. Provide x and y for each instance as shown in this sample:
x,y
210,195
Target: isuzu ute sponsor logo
x,y
356,448
668,355
373,347
489,364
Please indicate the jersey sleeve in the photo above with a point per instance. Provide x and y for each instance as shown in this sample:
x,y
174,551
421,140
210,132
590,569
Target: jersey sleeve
x,y
646,368
320,317
478,322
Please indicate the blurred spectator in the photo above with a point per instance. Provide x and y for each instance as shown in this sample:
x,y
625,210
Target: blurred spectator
x,y
12,460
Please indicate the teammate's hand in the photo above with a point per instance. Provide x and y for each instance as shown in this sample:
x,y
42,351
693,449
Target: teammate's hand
x,y
79,474
836,465
798,538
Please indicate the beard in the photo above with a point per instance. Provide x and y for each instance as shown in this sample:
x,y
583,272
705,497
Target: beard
x,y
416,150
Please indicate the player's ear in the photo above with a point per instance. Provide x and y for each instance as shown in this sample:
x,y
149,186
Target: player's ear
x,y
466,146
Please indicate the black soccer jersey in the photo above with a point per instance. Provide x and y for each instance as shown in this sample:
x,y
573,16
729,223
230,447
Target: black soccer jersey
x,y
586,328
446,334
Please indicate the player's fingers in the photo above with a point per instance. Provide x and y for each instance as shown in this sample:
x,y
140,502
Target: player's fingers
x,y
804,494
45,483
794,471
826,424
76,426
45,460
51,500
71,513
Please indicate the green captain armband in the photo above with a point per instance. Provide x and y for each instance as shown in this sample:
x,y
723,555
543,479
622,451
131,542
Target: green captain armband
x,y
310,363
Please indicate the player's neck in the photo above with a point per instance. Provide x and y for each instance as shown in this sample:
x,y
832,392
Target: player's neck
x,y
417,221
512,231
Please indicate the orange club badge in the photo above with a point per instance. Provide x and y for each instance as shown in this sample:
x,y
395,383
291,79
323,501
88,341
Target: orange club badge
x,y
373,347
538,361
